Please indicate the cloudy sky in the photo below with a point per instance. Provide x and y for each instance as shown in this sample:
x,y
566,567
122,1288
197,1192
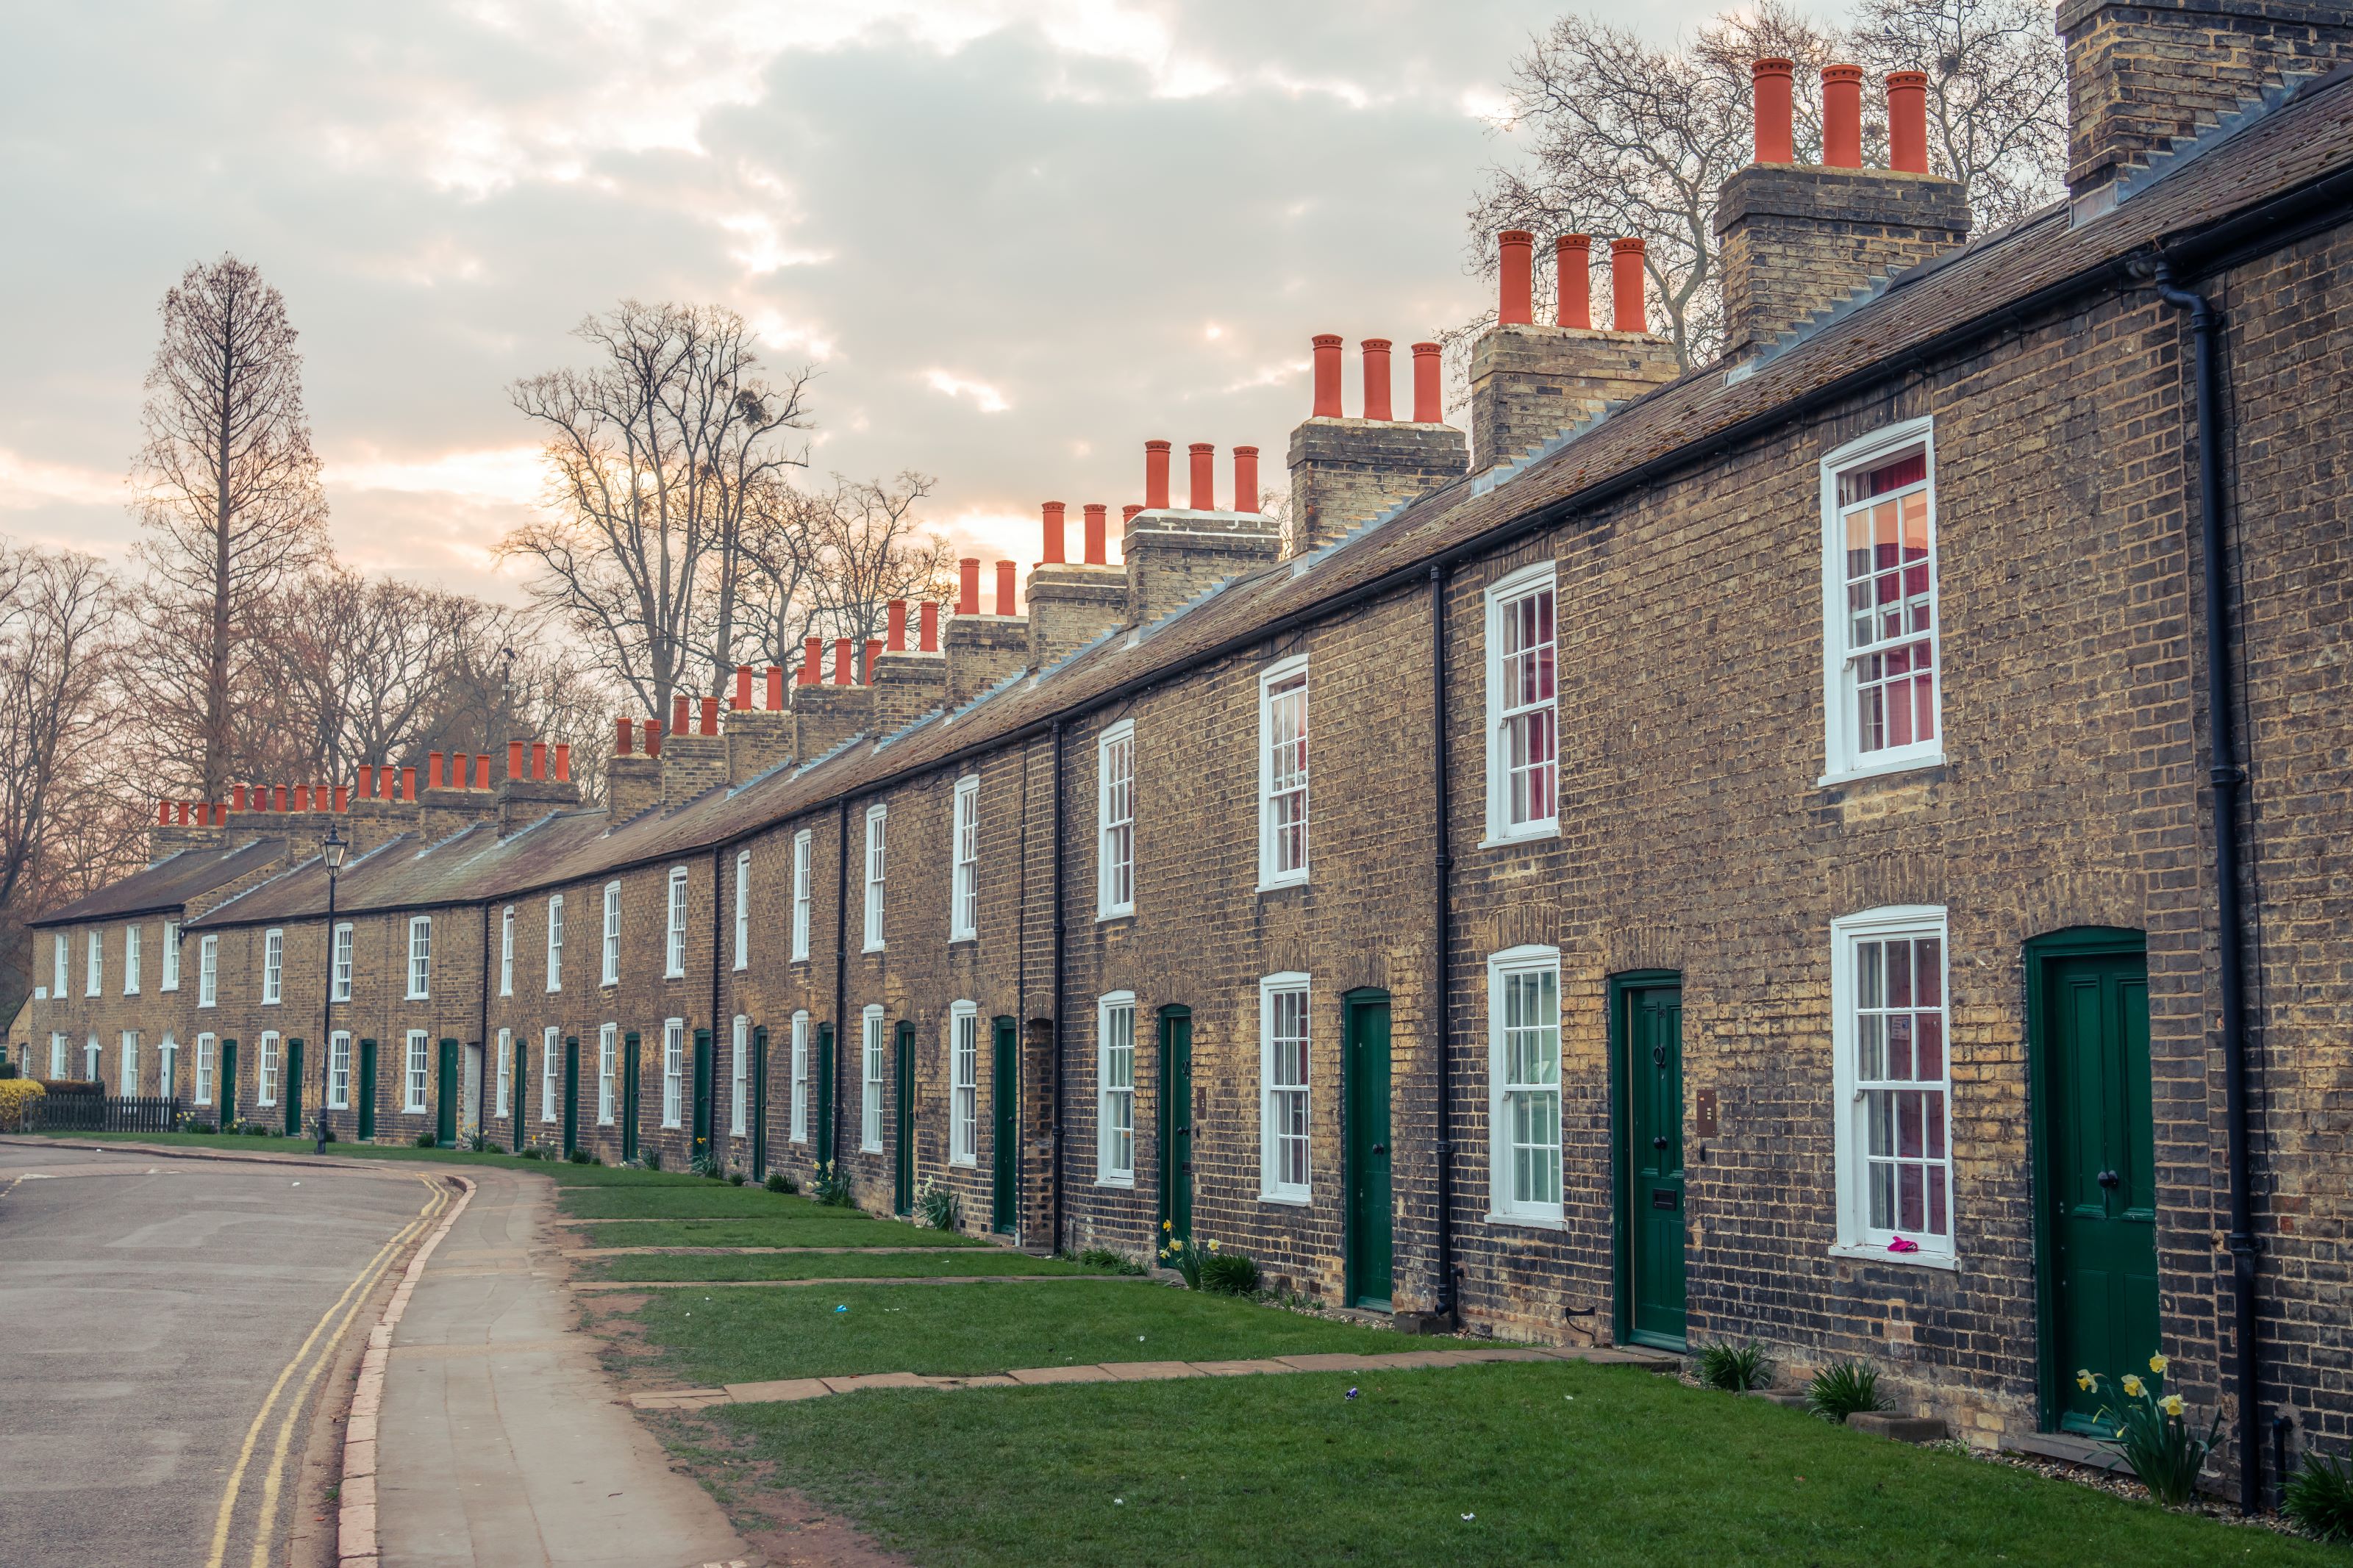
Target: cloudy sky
x,y
1015,238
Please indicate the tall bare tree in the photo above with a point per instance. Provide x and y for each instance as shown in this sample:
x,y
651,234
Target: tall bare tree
x,y
654,456
226,487
1626,138
869,548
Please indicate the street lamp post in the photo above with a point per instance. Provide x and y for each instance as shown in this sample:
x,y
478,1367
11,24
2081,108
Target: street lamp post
x,y
331,850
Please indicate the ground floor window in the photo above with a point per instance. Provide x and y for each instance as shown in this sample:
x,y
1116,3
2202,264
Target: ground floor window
x,y
265,1068
673,1072
1895,1088
57,1056
339,1071
605,1035
167,1067
739,1103
870,1125
419,1069
505,1069
203,1090
800,1077
1524,1078
963,1081
551,1065
1282,1089
130,1082
90,1054
1115,1078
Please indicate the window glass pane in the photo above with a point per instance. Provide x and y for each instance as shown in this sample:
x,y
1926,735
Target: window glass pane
x,y
1901,1067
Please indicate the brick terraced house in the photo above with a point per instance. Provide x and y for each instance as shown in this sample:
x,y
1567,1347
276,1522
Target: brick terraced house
x,y
1843,847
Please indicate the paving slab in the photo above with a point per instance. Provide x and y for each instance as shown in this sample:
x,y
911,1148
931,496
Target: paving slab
x,y
523,1453
780,1390
876,1380
1150,1371
1332,1361
1241,1368
1060,1374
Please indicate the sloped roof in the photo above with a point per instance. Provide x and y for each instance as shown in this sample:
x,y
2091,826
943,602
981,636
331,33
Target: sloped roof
x,y
170,882
2303,138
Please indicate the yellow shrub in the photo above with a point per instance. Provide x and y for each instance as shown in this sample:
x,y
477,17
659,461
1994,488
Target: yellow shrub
x,y
17,1098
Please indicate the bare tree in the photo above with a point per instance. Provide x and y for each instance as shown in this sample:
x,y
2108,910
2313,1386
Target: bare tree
x,y
776,602
653,458
1629,139
867,550
227,489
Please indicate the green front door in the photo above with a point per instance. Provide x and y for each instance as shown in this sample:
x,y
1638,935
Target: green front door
x,y
521,1088
1367,1173
700,1152
366,1090
902,1141
1004,1119
445,1096
571,1093
293,1088
1651,1122
760,1101
228,1085
2097,1170
1176,1124
825,1094
629,1095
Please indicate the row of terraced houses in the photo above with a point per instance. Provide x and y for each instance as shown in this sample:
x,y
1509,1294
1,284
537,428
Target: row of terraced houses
x,y
1843,847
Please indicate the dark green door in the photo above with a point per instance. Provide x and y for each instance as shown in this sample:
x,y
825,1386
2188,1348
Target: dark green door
x,y
902,1143
228,1085
1176,1124
2098,1175
1368,1154
700,1152
445,1096
1651,1114
521,1088
571,1093
293,1088
825,1094
629,1095
760,1101
365,1088
1005,1117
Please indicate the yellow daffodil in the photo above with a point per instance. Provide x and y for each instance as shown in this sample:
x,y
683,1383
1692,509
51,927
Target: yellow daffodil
x,y
2170,1404
1213,1247
1176,1246
1168,1225
2083,1379
2157,1363
2133,1385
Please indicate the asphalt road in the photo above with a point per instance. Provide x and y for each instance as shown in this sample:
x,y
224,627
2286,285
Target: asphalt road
x,y
148,1308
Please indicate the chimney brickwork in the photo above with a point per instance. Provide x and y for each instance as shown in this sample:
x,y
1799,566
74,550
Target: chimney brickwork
x,y
982,651
1173,556
826,716
1797,238
524,801
693,763
1345,472
1529,384
1070,606
633,785
757,739
908,684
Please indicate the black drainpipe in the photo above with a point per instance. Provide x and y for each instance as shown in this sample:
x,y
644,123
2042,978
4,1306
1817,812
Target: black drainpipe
x,y
717,1050
2205,326
1441,916
842,978
1055,1004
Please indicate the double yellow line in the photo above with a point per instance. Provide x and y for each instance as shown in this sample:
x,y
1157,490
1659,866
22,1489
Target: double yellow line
x,y
323,1341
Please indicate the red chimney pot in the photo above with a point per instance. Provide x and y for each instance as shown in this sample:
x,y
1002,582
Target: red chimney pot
x,y
681,713
1626,285
1572,259
841,671
1246,479
775,688
896,637
1327,376
1907,122
621,743
1376,380
408,782
742,685
874,651
653,737
1205,485
927,627
1097,545
710,715
1426,399
1005,581
563,763
1051,515
367,780
1775,137
1842,116
1156,479
968,586
1516,252
538,762
514,758
812,672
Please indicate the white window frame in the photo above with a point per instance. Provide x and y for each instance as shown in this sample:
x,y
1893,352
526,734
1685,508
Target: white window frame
x,y
1505,1203
607,1039
801,846
963,854
1273,1186
878,838
273,967
674,926
92,1053
60,1047
168,1064
800,1077
551,1053
1283,673
505,1074
168,961
506,952
265,1068
1504,597
206,1045
1856,1236
673,1072
611,970
1116,822
416,1072
209,970
131,955
340,945
554,944
94,961
743,909
127,1084
739,1100
964,1083
58,965
875,1064
339,1071
1842,758
1116,1089
420,958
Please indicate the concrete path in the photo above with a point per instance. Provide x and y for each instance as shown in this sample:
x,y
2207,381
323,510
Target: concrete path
x,y
501,1443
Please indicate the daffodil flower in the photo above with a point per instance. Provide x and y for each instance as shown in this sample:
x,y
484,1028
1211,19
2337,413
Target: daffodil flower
x,y
2133,1385
2083,1379
2170,1404
2157,1363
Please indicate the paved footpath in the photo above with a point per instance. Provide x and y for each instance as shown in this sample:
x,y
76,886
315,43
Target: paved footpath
x,y
501,1445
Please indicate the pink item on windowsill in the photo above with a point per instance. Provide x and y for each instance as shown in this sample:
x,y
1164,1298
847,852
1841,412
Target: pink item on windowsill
x,y
1900,1245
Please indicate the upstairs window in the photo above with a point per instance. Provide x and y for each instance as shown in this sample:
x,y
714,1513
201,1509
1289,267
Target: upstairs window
x,y
506,952
131,934
963,896
168,961
1282,773
743,909
273,967
207,970
1116,822
1880,551
674,930
93,962
877,818
555,943
57,970
340,980
420,958
1522,719
612,967
801,896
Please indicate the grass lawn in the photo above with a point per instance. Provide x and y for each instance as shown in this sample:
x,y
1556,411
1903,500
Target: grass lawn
x,y
749,1336
823,1266
825,1227
563,1171
698,1199
1484,1465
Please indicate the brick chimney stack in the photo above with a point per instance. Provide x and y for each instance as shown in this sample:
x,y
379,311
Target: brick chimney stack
x,y
632,781
1345,473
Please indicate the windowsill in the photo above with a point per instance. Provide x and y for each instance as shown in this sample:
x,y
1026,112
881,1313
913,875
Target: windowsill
x,y
955,938
1300,1201
874,947
1537,835
1278,883
1126,1183
270,1002
869,1148
207,1004
1529,1222
672,1126
673,975
1105,917
166,990
1903,764
128,994
417,997
963,1162
1870,1252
